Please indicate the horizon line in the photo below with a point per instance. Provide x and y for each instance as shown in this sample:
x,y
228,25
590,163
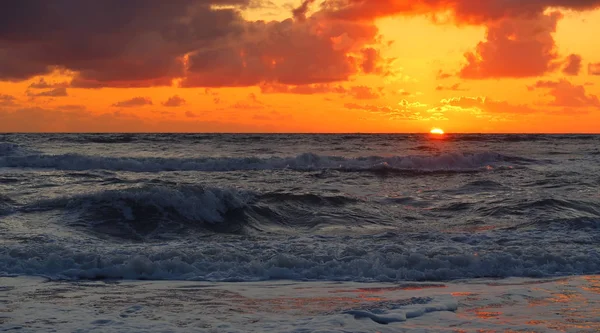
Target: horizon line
x,y
314,133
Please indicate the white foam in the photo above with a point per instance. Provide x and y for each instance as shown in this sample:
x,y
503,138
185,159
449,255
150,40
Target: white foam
x,y
289,258
303,162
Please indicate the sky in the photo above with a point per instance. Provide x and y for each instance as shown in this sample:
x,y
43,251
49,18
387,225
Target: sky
x,y
327,66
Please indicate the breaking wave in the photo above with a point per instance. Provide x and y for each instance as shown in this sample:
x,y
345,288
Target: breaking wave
x,y
139,212
303,162
294,259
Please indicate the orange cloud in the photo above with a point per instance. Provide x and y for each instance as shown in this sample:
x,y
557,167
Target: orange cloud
x,y
594,69
519,40
454,87
486,105
464,11
358,92
174,102
134,102
56,92
274,88
393,113
7,100
567,94
520,47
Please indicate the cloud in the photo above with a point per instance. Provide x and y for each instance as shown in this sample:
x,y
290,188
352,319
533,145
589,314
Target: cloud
x,y
288,52
441,75
357,92
519,41
310,89
566,94
463,11
395,113
364,92
209,43
205,43
43,84
48,120
44,120
594,69
250,103
190,114
454,87
7,100
516,48
174,101
483,104
572,65
71,107
56,92
300,12
134,102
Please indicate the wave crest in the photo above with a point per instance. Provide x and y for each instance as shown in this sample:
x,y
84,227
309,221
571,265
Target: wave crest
x,y
296,260
303,162
137,212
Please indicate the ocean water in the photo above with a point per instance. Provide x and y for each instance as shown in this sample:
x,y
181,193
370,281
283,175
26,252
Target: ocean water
x,y
240,208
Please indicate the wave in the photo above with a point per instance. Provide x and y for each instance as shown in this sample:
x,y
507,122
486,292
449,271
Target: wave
x,y
150,212
553,208
6,205
137,213
11,149
295,259
303,162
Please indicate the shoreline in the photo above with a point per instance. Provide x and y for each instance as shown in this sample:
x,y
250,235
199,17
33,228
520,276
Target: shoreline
x,y
33,304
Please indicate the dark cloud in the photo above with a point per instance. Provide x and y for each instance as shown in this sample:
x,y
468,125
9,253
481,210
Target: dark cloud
x,y
134,102
140,43
287,52
109,42
43,84
573,65
56,92
300,12
174,101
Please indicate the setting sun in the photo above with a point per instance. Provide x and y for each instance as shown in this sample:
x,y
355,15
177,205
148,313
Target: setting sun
x,y
437,131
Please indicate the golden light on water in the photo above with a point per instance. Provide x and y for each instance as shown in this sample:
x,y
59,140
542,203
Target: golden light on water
x,y
437,131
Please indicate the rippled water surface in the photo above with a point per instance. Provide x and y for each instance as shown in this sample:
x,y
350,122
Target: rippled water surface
x,y
305,207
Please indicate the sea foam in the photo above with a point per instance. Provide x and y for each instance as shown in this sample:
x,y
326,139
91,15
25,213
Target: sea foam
x,y
303,162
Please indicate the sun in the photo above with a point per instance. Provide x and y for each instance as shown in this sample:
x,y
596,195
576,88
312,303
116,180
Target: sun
x,y
437,131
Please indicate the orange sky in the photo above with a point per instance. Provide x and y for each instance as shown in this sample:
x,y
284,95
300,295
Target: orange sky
x,y
278,66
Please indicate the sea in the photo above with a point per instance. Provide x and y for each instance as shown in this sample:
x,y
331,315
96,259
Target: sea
x,y
299,233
